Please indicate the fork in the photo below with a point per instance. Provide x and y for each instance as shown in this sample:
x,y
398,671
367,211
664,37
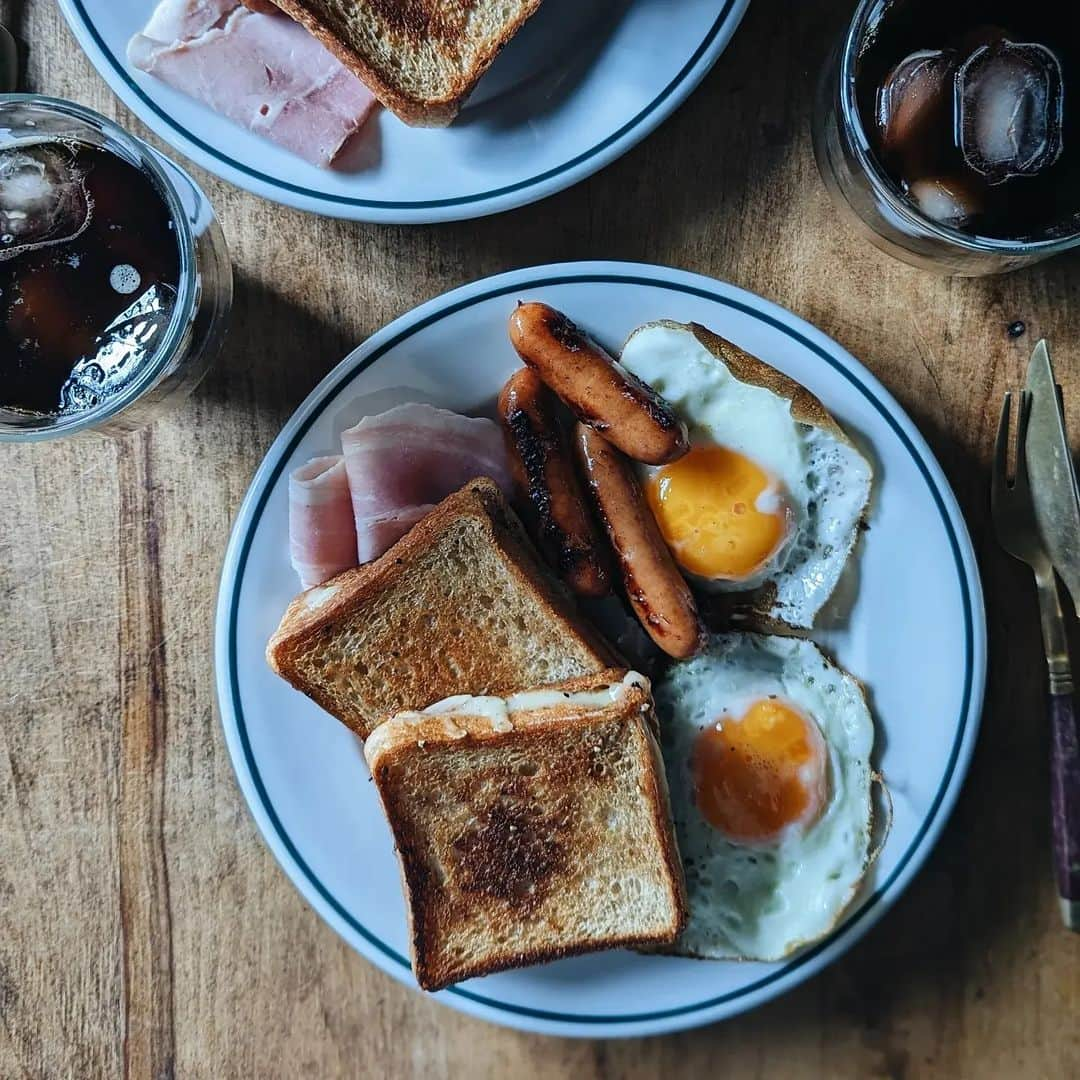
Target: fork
x,y
1014,521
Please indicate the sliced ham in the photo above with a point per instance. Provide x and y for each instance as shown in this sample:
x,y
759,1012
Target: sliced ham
x,y
322,536
401,463
265,72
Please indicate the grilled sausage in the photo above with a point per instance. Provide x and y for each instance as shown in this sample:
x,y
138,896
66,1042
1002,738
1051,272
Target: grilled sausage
x,y
544,473
658,593
598,391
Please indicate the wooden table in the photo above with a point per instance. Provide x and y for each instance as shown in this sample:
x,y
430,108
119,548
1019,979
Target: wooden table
x,y
144,927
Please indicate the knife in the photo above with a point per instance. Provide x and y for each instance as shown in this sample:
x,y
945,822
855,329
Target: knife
x,y
1052,473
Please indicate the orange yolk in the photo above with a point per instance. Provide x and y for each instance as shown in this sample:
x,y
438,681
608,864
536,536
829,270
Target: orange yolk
x,y
706,505
757,775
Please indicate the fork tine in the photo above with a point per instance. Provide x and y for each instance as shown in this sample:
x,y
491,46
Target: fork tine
x,y
1000,472
1021,480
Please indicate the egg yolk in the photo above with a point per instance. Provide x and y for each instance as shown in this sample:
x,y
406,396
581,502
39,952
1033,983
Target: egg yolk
x,y
759,774
719,512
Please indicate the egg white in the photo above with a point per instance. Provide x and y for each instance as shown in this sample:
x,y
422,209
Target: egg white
x,y
763,901
825,480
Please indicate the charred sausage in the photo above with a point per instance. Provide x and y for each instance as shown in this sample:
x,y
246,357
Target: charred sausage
x,y
597,390
657,592
544,473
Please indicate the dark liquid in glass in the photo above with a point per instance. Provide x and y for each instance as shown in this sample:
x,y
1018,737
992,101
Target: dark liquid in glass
x,y
973,109
89,266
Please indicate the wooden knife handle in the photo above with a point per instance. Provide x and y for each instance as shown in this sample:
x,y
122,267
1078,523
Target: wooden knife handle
x,y
1065,803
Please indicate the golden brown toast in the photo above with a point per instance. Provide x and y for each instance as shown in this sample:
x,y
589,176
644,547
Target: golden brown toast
x,y
420,58
530,828
459,605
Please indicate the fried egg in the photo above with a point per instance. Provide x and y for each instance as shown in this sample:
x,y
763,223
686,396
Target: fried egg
x,y
771,493
767,751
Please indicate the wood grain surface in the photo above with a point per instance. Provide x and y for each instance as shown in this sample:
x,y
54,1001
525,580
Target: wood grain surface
x,y
145,930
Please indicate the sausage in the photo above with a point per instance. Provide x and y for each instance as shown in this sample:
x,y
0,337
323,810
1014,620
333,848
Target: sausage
x,y
597,390
543,468
657,592
262,7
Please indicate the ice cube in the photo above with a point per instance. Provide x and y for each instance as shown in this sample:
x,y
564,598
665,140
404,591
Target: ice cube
x,y
946,200
43,198
915,110
129,340
1009,109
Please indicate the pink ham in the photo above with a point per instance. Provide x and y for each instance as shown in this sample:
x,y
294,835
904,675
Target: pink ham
x,y
404,461
265,72
322,536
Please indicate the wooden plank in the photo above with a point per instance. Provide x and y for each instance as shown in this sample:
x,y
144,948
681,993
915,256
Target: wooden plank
x,y
144,928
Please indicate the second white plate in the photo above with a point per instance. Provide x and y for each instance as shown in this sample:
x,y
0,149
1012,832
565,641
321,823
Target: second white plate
x,y
581,83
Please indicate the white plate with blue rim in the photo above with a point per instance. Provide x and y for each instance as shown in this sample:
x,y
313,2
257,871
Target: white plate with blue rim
x,y
582,82
304,775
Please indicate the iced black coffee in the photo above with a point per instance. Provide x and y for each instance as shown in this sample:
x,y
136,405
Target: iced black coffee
x,y
115,283
971,110
89,269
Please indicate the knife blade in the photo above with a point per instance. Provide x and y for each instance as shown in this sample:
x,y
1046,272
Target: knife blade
x,y
1052,472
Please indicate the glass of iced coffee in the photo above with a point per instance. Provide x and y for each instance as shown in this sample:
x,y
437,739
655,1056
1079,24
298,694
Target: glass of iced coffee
x,y
115,283
951,132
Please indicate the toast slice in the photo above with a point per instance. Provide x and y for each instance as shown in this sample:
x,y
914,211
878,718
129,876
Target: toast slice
x,y
530,828
420,58
459,605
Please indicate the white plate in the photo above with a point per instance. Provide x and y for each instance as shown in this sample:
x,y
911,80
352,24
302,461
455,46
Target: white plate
x,y
583,82
303,773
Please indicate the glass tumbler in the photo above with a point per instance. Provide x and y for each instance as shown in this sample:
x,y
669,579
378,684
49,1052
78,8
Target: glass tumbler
x,y
867,196
194,333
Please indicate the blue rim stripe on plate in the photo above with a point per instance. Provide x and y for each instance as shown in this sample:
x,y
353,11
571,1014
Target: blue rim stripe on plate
x,y
120,68
968,612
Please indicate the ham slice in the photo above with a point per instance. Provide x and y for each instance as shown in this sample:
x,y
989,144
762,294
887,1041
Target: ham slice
x,y
401,463
322,536
265,72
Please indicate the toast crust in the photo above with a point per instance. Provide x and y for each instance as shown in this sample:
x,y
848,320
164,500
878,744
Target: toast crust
x,y
513,866
433,724
315,613
407,21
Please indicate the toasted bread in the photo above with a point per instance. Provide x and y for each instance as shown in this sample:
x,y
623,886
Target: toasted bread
x,y
530,828
420,58
459,605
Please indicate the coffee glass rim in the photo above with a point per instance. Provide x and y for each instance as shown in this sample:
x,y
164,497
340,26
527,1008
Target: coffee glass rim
x,y
882,183
144,157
